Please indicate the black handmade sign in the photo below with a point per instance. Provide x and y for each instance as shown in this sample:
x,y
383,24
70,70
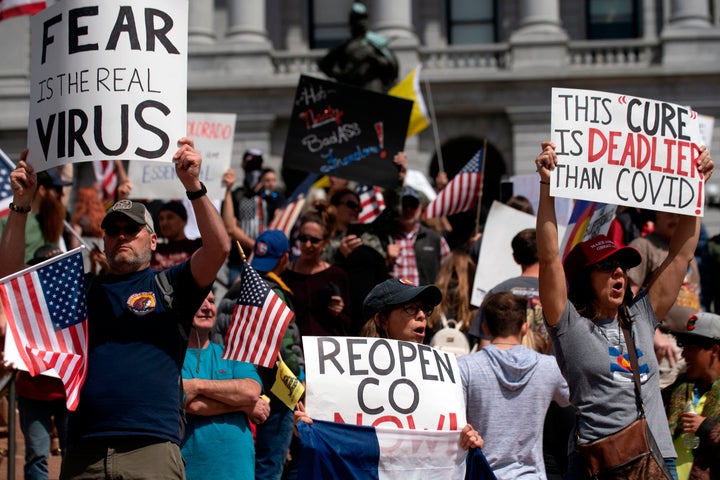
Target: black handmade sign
x,y
346,132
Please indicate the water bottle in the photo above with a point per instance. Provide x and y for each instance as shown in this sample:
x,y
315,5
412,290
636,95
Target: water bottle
x,y
690,441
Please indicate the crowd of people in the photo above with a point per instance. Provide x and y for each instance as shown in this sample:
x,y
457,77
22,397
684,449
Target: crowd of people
x,y
546,346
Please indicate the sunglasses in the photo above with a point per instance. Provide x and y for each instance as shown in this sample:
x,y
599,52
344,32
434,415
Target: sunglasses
x,y
413,308
130,229
352,205
306,238
607,266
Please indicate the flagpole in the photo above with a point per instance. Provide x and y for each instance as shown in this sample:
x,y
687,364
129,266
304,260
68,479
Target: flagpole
x,y
77,236
242,253
480,190
433,121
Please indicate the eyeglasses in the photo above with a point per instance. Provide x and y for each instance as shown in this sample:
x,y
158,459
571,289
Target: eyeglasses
x,y
129,229
413,308
306,238
352,205
607,266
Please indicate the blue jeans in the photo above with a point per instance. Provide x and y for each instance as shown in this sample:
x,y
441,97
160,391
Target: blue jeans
x,y
576,468
35,416
272,441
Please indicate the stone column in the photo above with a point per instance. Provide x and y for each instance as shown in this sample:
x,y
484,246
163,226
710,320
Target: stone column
x,y
200,22
690,38
246,22
540,40
393,20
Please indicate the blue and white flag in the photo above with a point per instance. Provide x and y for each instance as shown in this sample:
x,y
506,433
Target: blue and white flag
x,y
332,450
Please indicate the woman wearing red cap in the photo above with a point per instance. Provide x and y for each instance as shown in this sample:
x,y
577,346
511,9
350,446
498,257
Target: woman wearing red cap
x,y
584,300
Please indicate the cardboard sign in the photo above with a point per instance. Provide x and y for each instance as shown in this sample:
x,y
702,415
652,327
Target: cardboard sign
x,y
346,132
625,150
381,382
213,134
108,81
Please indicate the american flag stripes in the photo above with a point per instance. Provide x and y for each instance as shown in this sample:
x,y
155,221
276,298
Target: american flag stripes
x,y
47,317
371,202
463,191
14,8
259,322
107,179
285,218
6,194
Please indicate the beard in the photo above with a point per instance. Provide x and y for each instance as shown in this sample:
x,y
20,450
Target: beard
x,y
51,217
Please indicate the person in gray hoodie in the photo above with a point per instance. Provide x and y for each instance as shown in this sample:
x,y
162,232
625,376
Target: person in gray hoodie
x,y
508,389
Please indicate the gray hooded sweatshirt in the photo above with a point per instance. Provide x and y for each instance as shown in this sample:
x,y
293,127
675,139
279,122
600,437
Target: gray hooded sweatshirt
x,y
507,393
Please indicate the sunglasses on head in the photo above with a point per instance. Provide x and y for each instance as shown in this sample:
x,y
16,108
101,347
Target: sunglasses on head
x,y
607,265
306,238
129,229
353,205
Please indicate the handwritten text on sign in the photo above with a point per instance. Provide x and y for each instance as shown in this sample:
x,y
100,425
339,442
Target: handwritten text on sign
x,y
108,80
626,150
381,382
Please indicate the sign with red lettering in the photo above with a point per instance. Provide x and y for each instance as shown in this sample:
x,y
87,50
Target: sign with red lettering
x,y
382,382
626,150
347,132
108,80
213,134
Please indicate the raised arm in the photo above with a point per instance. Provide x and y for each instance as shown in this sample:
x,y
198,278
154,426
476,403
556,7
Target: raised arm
x,y
228,213
207,260
667,279
553,290
23,182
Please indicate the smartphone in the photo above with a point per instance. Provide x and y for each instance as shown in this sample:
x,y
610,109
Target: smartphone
x,y
356,229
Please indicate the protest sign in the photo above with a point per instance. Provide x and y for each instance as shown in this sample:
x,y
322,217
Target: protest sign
x,y
380,382
626,150
213,135
346,132
707,124
495,263
108,81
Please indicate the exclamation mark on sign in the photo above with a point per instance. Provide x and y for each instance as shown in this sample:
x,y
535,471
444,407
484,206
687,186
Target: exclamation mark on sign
x,y
700,197
381,138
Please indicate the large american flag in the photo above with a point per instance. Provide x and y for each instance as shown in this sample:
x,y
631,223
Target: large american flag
x,y
463,191
259,322
371,202
13,8
6,194
47,317
286,217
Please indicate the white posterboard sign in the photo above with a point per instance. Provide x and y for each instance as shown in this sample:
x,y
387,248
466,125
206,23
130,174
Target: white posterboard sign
x,y
213,134
626,150
707,125
108,81
381,382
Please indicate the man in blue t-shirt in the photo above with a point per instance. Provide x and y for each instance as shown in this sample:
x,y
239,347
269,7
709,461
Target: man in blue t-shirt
x,y
127,423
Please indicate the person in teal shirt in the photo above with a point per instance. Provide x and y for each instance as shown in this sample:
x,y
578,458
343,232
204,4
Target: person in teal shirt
x,y
221,396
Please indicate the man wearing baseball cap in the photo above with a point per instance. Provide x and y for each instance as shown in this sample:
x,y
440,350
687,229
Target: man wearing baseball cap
x,y
129,415
693,400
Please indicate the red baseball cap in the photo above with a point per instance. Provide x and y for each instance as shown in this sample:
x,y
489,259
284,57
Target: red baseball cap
x,y
596,250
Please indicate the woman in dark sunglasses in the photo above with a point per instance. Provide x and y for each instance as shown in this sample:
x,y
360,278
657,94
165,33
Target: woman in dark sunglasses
x,y
587,300
321,292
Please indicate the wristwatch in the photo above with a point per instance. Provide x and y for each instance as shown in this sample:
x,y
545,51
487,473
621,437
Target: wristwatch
x,y
197,194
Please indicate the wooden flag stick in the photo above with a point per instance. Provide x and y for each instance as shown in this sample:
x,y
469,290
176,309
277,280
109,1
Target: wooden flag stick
x,y
480,191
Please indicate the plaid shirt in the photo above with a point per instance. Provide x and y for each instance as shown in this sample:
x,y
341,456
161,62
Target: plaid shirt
x,y
405,265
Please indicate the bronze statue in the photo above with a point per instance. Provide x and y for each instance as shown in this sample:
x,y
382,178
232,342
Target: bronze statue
x,y
364,60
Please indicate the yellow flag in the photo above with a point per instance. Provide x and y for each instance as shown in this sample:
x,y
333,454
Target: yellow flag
x,y
409,88
287,387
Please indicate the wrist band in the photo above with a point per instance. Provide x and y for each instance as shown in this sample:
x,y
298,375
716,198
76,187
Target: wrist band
x,y
544,183
197,194
18,208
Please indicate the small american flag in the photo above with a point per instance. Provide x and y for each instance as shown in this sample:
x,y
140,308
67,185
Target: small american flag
x,y
6,194
14,8
107,178
285,218
259,322
371,202
47,317
463,191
